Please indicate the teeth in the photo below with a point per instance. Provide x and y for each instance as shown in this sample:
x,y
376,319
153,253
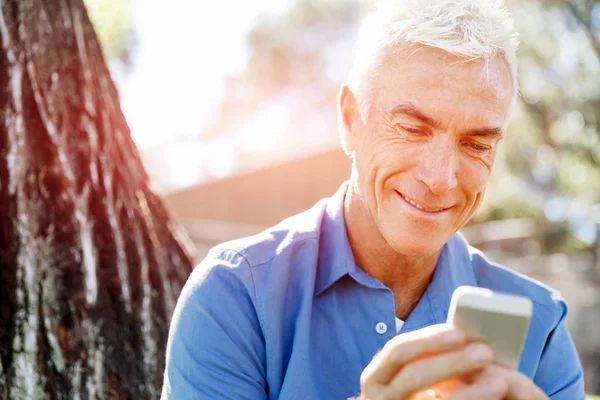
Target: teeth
x,y
414,203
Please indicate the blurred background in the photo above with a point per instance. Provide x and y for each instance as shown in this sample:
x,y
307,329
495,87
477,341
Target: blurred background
x,y
232,105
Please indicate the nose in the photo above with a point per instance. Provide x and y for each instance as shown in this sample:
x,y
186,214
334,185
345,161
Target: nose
x,y
438,166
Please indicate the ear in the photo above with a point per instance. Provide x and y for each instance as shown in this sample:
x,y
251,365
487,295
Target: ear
x,y
349,118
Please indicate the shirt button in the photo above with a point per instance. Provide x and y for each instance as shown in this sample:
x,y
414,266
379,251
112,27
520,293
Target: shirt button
x,y
381,328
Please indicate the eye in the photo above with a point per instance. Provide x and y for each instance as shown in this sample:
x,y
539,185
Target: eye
x,y
412,130
479,148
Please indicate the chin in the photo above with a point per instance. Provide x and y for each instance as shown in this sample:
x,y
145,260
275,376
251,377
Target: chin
x,y
417,251
415,244
414,247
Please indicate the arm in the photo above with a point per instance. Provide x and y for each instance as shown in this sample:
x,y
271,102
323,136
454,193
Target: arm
x,y
559,373
216,347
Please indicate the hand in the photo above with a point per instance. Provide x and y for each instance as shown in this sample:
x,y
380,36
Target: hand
x,y
417,360
511,384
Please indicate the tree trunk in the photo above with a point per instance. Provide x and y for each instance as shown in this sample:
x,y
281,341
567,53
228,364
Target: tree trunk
x,y
90,261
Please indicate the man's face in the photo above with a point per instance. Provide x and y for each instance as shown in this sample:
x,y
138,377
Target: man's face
x,y
425,154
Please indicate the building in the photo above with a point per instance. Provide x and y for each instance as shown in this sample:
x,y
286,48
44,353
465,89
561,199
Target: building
x,y
246,204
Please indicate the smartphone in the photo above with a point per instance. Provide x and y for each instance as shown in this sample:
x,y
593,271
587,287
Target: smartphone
x,y
499,319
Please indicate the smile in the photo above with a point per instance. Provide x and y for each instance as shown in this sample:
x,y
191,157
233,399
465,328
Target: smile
x,y
422,207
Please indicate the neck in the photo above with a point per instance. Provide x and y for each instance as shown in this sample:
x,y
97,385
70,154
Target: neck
x,y
406,276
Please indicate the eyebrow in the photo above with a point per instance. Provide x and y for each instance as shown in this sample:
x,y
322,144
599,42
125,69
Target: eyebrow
x,y
412,111
488,132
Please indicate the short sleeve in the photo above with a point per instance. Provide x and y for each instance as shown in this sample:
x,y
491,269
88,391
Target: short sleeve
x,y
216,348
559,373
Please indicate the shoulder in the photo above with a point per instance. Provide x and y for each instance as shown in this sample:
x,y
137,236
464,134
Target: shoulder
x,y
292,233
240,258
549,356
239,272
501,278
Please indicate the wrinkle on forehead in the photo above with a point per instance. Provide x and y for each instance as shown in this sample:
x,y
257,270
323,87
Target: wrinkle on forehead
x,y
420,68
499,71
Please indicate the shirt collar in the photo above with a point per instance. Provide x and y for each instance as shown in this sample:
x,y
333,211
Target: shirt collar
x,y
453,269
335,255
336,260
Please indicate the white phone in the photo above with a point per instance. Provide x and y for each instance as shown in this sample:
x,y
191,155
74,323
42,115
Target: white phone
x,y
501,320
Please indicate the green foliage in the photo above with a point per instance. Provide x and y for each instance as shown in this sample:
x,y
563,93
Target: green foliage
x,y
552,150
113,24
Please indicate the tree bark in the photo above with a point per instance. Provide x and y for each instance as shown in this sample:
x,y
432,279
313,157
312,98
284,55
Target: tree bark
x,y
91,263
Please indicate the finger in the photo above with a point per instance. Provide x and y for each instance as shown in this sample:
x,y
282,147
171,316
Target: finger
x,y
440,390
407,347
423,373
486,386
519,386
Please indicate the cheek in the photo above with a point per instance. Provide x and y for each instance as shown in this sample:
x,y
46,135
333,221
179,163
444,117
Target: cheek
x,y
369,163
474,178
376,167
380,156
391,163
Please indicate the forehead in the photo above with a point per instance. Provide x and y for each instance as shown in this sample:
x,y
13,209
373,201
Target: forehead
x,y
443,84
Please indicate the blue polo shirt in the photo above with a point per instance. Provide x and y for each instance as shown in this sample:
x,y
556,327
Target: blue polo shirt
x,y
287,314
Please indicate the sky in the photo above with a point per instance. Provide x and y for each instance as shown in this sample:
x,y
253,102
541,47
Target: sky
x,y
185,51
182,55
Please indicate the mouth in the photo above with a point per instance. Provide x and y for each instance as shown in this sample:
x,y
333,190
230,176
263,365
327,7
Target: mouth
x,y
425,208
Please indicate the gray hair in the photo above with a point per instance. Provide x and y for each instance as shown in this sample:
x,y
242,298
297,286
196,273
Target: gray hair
x,y
470,29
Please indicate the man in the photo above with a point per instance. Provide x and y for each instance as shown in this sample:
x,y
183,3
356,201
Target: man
x,y
309,308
